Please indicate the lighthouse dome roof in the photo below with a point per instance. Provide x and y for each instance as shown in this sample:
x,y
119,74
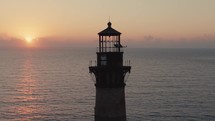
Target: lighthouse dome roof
x,y
109,31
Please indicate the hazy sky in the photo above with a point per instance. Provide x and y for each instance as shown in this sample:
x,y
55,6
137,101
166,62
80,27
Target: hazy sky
x,y
143,23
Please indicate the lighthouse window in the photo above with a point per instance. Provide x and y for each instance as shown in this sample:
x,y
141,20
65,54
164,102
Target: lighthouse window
x,y
103,57
103,60
103,63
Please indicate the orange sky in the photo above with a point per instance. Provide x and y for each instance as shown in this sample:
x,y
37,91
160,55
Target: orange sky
x,y
144,23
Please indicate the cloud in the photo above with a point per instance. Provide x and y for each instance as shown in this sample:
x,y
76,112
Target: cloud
x,y
59,42
149,41
9,41
45,42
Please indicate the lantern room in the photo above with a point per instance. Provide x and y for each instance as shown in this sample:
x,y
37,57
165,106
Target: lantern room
x,y
109,40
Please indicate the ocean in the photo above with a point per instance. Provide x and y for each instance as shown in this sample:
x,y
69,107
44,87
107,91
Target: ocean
x,y
55,85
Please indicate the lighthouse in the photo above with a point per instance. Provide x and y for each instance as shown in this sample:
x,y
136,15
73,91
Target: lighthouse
x,y
110,74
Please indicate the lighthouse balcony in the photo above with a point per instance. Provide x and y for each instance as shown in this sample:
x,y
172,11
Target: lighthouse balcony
x,y
109,49
106,77
94,64
93,69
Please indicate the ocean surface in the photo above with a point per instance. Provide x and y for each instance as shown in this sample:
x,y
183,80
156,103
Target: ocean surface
x,y
55,85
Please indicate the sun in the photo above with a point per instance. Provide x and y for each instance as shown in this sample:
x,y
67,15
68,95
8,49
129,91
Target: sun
x,y
29,39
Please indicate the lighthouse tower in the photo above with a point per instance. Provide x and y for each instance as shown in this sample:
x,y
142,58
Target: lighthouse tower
x,y
110,75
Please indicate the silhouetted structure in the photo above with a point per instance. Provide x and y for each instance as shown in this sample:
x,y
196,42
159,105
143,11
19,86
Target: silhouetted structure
x,y
110,77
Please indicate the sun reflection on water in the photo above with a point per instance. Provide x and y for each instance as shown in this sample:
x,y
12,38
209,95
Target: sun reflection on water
x,y
27,92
